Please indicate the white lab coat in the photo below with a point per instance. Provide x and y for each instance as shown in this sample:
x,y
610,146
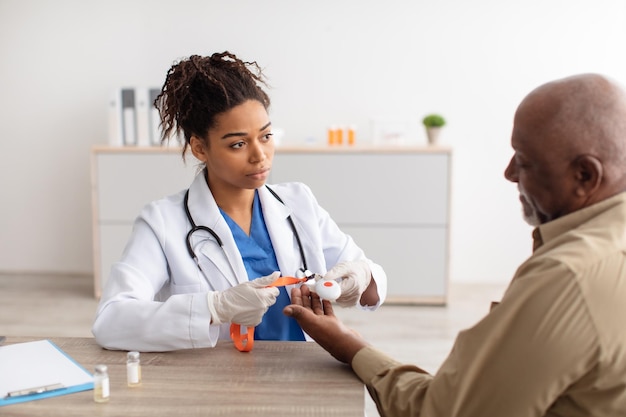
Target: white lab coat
x,y
155,298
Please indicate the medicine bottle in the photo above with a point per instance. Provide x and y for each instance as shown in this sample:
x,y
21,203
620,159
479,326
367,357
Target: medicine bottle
x,y
101,384
133,369
339,136
332,140
351,135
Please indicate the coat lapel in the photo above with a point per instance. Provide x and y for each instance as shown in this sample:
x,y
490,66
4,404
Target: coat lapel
x,y
211,256
283,239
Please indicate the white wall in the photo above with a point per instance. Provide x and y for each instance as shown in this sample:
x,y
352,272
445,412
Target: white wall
x,y
328,61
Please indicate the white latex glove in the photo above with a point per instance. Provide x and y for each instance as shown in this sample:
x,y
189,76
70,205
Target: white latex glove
x,y
245,303
355,278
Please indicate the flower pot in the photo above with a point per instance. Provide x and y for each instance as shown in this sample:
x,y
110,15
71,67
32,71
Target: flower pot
x,y
433,135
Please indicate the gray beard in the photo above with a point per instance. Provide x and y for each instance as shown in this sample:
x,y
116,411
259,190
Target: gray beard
x,y
530,216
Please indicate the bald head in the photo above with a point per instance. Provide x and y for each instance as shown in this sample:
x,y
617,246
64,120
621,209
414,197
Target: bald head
x,y
581,115
569,138
587,113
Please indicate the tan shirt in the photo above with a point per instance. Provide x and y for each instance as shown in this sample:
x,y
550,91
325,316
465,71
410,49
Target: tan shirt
x,y
554,346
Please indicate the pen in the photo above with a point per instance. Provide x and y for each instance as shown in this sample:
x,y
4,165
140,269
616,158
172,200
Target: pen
x,y
35,390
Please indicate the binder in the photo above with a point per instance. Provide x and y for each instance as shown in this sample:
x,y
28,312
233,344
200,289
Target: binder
x,y
155,119
129,116
116,134
36,370
142,113
122,117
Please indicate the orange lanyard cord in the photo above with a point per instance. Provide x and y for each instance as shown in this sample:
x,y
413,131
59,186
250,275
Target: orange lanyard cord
x,y
244,342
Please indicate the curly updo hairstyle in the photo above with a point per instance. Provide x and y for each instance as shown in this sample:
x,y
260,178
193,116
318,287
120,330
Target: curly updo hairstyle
x,y
199,88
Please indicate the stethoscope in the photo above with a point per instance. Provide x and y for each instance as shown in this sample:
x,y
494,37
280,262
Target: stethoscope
x,y
302,272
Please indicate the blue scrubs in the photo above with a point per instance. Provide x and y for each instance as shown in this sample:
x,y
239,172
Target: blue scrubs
x,y
260,260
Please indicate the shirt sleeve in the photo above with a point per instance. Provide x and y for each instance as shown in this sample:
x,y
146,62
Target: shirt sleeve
x,y
515,362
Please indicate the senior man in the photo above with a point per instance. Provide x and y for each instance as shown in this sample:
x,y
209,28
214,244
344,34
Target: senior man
x,y
556,343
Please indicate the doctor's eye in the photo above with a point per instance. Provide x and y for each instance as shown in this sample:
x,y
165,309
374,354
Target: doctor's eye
x,y
238,145
268,136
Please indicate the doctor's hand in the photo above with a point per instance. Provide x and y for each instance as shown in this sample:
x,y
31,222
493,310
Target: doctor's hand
x,y
244,304
356,278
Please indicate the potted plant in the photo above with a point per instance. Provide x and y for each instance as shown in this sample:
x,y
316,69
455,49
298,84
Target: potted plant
x,y
433,123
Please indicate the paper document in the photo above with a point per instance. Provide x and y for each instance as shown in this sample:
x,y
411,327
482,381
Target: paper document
x,y
35,370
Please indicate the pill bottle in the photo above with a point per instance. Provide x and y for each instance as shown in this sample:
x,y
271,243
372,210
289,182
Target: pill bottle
x,y
101,384
133,369
339,136
351,135
332,140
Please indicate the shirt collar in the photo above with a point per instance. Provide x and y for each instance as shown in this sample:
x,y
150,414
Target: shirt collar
x,y
548,231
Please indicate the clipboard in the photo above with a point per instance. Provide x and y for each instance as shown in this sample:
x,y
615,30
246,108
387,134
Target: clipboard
x,y
40,369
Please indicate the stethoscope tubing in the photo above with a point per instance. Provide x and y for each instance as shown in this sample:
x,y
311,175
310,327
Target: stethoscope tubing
x,y
195,228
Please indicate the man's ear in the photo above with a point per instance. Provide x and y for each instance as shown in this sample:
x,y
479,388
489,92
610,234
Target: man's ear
x,y
198,148
589,173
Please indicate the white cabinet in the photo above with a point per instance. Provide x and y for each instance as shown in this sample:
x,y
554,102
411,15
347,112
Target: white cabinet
x,y
393,201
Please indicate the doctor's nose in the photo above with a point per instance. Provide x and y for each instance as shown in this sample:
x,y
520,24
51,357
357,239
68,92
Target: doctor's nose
x,y
257,153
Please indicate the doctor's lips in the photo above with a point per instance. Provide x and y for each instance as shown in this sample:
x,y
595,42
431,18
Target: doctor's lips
x,y
260,173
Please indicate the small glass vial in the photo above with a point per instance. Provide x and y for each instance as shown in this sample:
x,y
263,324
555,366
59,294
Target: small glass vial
x,y
133,369
101,384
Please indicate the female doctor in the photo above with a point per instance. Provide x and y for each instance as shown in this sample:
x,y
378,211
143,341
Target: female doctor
x,y
203,258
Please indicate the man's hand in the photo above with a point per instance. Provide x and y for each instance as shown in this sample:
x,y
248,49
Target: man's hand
x,y
317,319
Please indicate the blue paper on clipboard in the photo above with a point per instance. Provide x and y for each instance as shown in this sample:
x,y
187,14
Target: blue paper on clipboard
x,y
35,370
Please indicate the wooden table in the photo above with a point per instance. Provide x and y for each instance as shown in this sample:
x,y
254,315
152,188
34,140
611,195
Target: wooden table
x,y
274,379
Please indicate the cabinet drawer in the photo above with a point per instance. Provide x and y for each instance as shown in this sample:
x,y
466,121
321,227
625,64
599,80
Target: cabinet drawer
x,y
127,182
366,188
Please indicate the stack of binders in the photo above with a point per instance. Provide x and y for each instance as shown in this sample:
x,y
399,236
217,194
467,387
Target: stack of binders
x,y
133,119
